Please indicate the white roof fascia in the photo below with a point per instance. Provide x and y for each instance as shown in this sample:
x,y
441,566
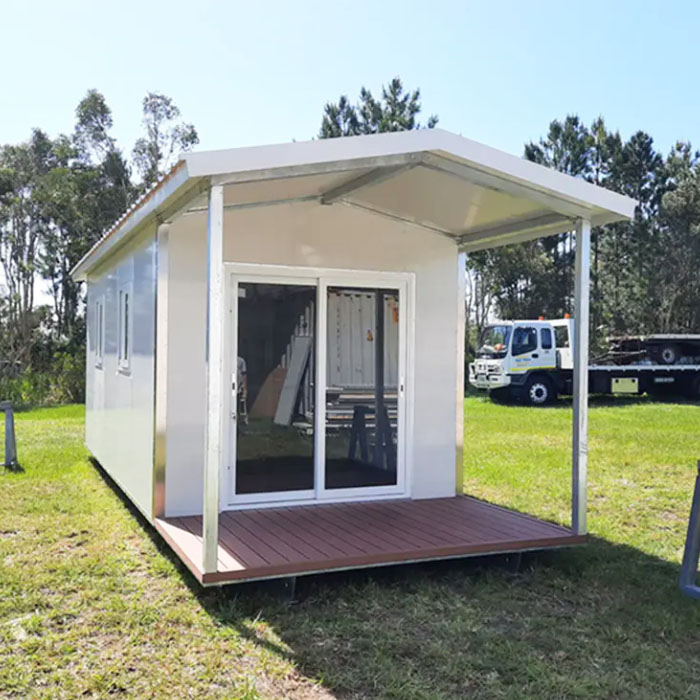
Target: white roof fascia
x,y
255,163
568,197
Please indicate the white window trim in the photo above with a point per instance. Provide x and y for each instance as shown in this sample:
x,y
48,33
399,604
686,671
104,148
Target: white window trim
x,y
99,332
124,363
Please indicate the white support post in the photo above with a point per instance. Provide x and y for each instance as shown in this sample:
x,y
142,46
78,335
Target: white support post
x,y
214,425
580,357
461,329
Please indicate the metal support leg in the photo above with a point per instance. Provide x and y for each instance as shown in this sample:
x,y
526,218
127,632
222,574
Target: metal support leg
x,y
691,555
10,442
580,347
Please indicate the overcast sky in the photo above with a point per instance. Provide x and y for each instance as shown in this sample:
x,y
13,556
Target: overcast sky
x,y
259,72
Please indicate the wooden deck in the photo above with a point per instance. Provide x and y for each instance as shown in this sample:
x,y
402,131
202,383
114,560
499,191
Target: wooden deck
x,y
284,541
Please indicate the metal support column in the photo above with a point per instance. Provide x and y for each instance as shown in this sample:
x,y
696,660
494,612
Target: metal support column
x,y
214,425
691,554
461,340
10,458
580,356
161,371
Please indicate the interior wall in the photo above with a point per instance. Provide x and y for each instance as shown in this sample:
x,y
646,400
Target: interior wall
x,y
119,405
311,235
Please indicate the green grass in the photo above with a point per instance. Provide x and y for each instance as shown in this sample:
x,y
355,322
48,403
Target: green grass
x,y
92,605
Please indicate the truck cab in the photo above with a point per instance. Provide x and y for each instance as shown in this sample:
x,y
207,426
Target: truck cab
x,y
522,357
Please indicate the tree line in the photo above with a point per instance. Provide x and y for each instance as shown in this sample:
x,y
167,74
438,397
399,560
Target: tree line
x,y
645,274
57,195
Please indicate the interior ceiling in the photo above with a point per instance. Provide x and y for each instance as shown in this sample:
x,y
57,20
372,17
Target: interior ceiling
x,y
446,201
287,188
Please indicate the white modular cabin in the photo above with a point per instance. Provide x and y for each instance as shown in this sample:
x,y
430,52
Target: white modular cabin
x,y
275,356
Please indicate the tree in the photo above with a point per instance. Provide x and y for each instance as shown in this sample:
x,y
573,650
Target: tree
x,y
88,188
21,227
154,153
93,123
678,279
397,110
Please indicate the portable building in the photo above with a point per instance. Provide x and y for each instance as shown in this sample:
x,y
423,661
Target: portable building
x,y
275,357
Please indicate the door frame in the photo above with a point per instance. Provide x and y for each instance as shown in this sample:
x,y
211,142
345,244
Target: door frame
x,y
321,278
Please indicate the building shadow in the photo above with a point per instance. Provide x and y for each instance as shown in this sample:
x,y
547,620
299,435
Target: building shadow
x,y
449,628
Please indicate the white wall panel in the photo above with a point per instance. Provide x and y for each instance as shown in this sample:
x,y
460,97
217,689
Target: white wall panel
x,y
311,235
186,391
119,405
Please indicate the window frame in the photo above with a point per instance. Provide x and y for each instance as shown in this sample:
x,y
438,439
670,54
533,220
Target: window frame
x,y
99,332
125,315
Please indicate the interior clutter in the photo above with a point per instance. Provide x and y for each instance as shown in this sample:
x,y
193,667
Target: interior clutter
x,y
275,387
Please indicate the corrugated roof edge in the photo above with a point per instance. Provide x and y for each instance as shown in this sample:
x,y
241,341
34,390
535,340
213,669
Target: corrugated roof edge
x,y
139,204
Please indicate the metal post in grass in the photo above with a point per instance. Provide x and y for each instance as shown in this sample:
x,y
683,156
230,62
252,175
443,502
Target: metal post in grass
x,y
691,555
10,442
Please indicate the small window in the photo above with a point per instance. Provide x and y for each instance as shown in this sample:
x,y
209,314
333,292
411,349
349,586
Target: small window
x,y
99,330
124,351
546,338
561,335
524,340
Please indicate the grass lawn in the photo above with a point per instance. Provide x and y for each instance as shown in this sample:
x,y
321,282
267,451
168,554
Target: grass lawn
x,y
91,604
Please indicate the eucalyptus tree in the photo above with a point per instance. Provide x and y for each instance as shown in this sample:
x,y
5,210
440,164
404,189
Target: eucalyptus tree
x,y
22,225
166,136
87,189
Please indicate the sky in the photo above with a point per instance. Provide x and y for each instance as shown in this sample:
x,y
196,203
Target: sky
x,y
246,73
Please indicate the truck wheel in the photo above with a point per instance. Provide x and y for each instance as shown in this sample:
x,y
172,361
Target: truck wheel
x,y
538,391
669,354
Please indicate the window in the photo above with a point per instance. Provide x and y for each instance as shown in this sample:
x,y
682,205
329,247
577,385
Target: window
x,y
99,330
546,338
561,334
524,340
493,341
124,350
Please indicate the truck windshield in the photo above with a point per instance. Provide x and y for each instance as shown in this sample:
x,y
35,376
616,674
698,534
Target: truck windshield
x,y
494,341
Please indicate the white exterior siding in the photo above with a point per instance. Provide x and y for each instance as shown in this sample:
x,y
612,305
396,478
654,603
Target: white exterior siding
x,y
119,403
309,235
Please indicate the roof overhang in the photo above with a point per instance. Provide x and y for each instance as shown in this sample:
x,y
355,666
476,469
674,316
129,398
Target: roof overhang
x,y
443,183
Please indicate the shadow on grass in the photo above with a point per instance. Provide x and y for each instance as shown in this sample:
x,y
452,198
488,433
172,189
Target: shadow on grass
x,y
595,620
160,544
446,629
14,468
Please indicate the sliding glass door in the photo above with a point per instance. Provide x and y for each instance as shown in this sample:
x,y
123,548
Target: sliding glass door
x,y
272,390
362,387
318,364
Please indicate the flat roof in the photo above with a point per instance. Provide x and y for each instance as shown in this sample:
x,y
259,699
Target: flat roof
x,y
438,181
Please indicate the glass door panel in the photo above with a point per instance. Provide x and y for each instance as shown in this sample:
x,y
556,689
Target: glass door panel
x,y
274,388
362,387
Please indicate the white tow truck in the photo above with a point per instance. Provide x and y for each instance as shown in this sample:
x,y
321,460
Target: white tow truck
x,y
533,361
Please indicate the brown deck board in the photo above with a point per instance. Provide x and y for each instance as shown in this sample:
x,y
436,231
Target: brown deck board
x,y
284,541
